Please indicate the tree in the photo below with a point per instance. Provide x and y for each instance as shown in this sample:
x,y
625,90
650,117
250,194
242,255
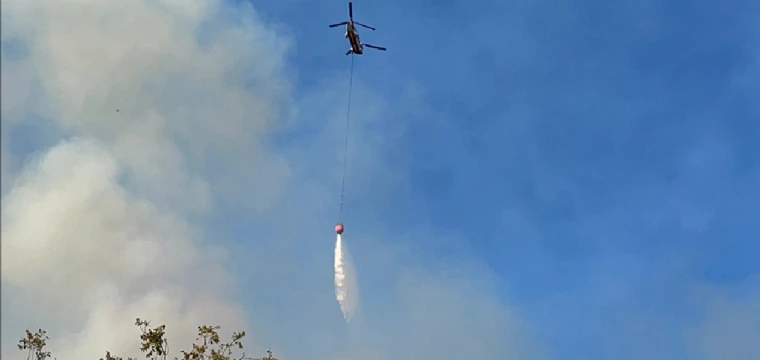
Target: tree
x,y
208,345
34,345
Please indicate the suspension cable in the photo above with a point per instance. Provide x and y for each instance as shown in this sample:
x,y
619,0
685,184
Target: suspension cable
x,y
345,150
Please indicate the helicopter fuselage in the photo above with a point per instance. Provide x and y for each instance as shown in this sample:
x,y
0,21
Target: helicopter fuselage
x,y
353,37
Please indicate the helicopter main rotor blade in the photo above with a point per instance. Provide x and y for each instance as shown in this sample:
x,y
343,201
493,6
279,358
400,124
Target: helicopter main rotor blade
x,y
339,24
350,10
366,26
375,47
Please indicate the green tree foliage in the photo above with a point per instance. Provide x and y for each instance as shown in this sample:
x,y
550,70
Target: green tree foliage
x,y
208,345
34,345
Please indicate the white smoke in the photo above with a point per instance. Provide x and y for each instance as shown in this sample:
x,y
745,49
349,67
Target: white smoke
x,y
100,227
346,291
83,247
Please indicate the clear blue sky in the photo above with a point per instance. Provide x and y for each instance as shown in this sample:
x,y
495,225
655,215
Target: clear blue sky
x,y
583,174
602,159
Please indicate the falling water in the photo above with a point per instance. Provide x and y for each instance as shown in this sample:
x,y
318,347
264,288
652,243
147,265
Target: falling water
x,y
345,281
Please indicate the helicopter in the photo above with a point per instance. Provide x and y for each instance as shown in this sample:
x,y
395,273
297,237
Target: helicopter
x,y
357,47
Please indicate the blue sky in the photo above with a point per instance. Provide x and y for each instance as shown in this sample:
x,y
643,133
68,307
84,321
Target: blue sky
x,y
589,170
602,159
